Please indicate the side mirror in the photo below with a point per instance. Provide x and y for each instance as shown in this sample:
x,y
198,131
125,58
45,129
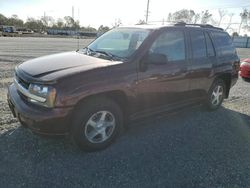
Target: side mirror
x,y
154,59
157,59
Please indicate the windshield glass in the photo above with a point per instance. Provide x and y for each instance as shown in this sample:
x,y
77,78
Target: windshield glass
x,y
121,42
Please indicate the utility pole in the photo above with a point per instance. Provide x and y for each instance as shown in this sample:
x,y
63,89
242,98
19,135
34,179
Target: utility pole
x,y
46,17
147,13
73,13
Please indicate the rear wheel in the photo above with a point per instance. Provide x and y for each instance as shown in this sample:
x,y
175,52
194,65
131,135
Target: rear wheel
x,y
216,95
96,124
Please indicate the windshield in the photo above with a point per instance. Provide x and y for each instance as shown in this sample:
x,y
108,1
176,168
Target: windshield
x,y
121,42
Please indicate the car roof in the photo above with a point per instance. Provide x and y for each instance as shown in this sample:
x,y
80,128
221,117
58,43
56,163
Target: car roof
x,y
144,26
179,24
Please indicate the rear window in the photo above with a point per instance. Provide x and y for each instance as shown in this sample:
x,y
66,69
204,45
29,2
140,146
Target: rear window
x,y
223,43
210,48
198,44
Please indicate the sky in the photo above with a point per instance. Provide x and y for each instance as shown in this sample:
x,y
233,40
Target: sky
x,y
106,12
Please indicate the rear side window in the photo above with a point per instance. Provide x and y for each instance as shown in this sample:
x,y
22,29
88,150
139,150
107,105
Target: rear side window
x,y
198,44
171,44
210,47
223,43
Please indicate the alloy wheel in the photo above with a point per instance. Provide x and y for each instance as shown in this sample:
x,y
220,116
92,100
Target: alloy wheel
x,y
100,127
217,95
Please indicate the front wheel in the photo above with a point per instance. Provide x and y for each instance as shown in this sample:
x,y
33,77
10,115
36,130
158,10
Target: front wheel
x,y
96,124
216,95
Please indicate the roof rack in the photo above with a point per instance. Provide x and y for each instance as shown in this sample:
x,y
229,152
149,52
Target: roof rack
x,y
199,25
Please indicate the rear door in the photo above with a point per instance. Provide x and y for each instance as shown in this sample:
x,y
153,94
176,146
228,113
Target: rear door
x,y
227,59
201,65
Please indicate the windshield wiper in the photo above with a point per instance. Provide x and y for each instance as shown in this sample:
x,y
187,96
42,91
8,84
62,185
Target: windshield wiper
x,y
89,51
110,56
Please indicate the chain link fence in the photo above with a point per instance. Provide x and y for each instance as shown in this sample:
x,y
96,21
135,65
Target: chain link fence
x,y
241,42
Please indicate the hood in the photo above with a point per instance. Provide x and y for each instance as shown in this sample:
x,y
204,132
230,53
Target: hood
x,y
58,65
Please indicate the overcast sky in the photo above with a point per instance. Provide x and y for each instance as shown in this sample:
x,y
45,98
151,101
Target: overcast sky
x,y
97,12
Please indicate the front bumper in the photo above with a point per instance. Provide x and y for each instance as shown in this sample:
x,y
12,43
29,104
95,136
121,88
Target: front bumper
x,y
54,121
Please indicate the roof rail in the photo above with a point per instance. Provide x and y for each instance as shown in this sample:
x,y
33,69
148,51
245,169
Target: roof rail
x,y
199,25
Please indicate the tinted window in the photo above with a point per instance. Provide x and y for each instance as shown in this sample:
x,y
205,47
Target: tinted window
x,y
198,44
171,44
223,43
210,47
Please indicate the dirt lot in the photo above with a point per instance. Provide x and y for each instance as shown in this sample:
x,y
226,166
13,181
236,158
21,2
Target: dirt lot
x,y
192,148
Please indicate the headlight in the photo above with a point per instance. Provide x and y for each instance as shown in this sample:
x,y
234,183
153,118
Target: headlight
x,y
43,95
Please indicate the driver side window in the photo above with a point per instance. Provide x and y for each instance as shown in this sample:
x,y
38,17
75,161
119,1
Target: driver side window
x,y
171,44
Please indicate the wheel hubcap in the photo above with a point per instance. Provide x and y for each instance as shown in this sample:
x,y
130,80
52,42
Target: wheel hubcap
x,y
217,95
100,127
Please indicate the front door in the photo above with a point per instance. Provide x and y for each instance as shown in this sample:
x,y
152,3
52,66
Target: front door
x,y
164,83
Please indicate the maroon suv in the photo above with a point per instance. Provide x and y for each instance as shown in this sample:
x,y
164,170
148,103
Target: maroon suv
x,y
127,73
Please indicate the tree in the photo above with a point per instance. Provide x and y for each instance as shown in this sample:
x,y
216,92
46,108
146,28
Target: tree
x,y
59,23
141,22
213,21
3,20
71,23
230,21
34,24
189,16
44,20
88,29
169,19
235,34
15,21
222,14
205,17
14,16
103,29
77,25
117,23
51,20
197,17
182,15
244,18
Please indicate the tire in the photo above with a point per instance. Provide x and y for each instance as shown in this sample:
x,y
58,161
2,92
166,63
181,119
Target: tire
x,y
216,95
96,124
246,79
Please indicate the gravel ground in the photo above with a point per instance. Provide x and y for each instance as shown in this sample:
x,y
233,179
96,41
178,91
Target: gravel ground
x,y
190,148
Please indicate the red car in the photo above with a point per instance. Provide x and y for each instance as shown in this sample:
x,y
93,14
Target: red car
x,y
245,68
